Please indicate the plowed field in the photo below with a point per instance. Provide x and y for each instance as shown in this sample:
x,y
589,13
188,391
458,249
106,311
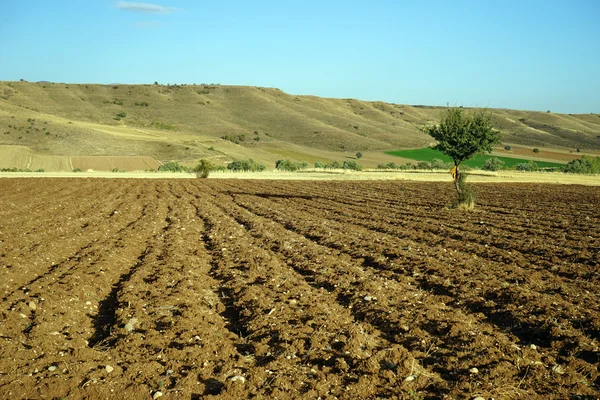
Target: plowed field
x,y
304,289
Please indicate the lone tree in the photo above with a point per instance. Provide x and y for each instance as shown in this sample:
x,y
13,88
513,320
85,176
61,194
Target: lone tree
x,y
461,136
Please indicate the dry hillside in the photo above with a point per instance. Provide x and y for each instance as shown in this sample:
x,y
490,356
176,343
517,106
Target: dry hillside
x,y
187,122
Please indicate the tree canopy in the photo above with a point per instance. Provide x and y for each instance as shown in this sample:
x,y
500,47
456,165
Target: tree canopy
x,y
460,136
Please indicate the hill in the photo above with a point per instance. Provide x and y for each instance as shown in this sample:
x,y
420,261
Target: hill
x,y
188,122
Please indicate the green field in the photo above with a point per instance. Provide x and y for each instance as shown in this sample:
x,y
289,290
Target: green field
x,y
428,154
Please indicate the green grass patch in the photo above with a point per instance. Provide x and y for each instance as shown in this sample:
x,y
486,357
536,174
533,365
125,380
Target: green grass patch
x,y
427,154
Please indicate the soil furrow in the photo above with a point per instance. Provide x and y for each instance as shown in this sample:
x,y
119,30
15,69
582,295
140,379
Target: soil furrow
x,y
347,345
584,346
297,289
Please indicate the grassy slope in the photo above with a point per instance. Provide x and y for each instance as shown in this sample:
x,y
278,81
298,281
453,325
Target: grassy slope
x,y
73,119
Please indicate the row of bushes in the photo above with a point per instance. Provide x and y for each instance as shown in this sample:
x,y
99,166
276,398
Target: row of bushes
x,y
204,167
20,170
246,166
583,165
347,165
425,165
251,165
288,165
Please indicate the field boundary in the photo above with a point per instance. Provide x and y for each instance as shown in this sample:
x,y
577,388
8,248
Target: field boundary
x,y
428,176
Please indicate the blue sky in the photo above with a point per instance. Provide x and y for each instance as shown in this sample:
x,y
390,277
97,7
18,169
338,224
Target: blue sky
x,y
532,55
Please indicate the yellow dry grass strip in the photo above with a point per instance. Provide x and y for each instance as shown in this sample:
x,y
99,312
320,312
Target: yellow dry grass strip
x,y
501,177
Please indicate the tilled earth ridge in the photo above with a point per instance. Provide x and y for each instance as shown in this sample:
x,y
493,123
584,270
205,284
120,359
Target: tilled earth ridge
x,y
297,289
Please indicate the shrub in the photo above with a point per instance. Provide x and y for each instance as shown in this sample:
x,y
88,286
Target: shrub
x,y
288,165
14,169
77,170
333,165
528,166
436,163
122,114
359,155
203,168
171,166
583,165
507,147
466,197
246,166
390,165
393,165
493,164
352,165
237,139
536,150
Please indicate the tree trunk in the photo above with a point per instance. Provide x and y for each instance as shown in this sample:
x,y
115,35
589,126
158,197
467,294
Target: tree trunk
x,y
456,175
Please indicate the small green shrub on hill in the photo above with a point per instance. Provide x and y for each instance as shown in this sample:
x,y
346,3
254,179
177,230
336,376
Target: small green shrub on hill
x,y
237,139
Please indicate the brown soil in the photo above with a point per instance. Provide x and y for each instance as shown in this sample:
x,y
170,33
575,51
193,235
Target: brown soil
x,y
543,154
279,289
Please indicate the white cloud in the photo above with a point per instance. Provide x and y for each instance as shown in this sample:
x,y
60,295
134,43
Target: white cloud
x,y
144,8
